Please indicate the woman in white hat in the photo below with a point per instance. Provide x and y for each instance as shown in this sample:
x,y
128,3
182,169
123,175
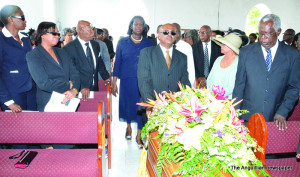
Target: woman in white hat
x,y
224,69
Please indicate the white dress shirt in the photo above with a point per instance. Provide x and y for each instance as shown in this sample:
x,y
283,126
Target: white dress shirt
x,y
273,51
186,49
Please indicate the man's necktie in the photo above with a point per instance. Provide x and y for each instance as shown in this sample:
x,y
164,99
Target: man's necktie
x,y
268,59
168,59
206,62
89,55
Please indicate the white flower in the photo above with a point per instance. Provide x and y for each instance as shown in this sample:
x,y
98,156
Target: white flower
x,y
235,156
219,126
253,144
191,137
231,150
213,151
228,139
207,119
223,153
217,143
220,158
177,107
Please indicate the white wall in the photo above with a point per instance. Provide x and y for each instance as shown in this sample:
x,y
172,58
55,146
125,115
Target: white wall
x,y
116,14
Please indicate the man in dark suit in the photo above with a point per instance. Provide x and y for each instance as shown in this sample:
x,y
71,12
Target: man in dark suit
x,y
268,73
108,43
205,54
85,54
161,67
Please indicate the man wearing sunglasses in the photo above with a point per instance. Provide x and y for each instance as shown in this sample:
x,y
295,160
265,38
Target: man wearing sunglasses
x,y
161,67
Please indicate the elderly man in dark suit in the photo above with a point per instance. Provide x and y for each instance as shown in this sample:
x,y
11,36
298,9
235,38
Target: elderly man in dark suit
x,y
268,73
161,67
85,54
205,54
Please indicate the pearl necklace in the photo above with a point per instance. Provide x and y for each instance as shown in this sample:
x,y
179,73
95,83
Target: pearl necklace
x,y
136,40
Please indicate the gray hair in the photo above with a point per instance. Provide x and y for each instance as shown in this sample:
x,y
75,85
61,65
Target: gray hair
x,y
274,18
7,11
66,31
193,34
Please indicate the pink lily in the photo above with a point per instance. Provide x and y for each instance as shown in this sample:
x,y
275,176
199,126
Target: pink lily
x,y
185,112
173,129
195,105
219,93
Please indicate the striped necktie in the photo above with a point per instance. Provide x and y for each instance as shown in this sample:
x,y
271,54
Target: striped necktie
x,y
268,59
206,62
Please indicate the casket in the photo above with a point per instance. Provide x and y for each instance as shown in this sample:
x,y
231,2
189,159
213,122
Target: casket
x,y
152,154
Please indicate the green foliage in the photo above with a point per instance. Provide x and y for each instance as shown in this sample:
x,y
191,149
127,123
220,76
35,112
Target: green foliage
x,y
253,19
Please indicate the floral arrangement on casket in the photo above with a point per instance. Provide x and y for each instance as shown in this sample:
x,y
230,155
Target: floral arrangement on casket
x,y
200,131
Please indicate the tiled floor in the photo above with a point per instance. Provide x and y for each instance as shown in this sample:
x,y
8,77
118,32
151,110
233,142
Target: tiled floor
x,y
125,154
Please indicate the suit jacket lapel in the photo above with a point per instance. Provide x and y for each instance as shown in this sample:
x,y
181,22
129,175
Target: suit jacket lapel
x,y
12,41
278,59
160,57
174,59
61,64
96,51
81,51
48,56
213,52
260,59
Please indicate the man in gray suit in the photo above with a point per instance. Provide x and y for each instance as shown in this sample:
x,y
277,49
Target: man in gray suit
x,y
268,73
161,67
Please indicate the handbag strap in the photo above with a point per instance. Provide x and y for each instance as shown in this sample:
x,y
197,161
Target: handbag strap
x,y
17,155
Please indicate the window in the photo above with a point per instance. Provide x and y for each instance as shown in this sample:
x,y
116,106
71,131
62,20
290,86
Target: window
x,y
254,16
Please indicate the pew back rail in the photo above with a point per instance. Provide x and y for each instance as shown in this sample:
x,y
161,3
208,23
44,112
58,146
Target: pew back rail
x,y
275,141
54,128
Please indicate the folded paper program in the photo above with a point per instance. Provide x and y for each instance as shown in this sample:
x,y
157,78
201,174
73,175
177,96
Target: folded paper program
x,y
55,105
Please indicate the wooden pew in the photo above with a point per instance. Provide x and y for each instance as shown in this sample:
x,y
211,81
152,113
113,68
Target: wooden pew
x,y
276,141
91,105
54,128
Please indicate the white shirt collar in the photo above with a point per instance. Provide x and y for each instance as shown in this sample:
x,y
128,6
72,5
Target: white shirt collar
x,y
8,34
82,42
164,51
273,50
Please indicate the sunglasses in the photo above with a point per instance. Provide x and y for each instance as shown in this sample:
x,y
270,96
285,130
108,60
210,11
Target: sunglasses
x,y
173,33
19,17
54,33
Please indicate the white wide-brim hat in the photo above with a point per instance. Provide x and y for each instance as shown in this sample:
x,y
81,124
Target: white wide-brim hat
x,y
231,40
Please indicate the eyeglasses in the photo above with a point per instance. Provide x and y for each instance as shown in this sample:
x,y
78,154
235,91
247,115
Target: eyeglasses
x,y
204,32
19,17
265,34
54,33
173,33
90,27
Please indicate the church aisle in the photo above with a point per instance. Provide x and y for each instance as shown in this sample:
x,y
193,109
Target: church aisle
x,y
125,154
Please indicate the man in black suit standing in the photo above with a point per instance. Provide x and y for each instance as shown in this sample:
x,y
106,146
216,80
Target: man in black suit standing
x,y
85,54
205,54
161,67
268,75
